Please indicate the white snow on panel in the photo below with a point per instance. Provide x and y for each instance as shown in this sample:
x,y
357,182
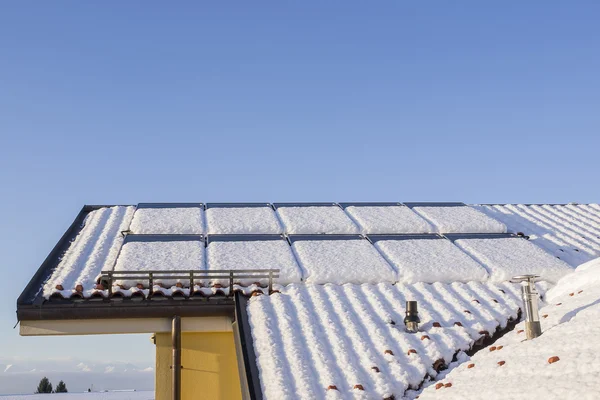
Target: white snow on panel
x,y
267,254
316,220
242,220
95,249
431,260
563,363
388,219
461,219
167,255
311,338
569,232
508,257
183,220
342,261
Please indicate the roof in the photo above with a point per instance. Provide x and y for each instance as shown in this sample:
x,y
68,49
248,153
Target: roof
x,y
562,363
335,275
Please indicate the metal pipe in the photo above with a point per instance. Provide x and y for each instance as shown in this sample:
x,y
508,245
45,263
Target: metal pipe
x,y
411,321
530,295
176,364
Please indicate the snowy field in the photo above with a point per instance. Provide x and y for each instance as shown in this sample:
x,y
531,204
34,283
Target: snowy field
x,y
144,395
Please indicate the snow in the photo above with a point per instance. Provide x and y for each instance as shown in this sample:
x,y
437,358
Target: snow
x,y
570,232
116,395
160,255
508,257
430,260
570,325
310,337
266,254
388,219
316,220
242,220
461,219
342,261
184,220
94,249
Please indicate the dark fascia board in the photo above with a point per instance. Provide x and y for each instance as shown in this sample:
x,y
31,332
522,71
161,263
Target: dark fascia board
x,y
247,345
433,204
317,204
425,236
242,238
170,205
237,205
33,289
162,238
126,308
296,238
370,204
456,236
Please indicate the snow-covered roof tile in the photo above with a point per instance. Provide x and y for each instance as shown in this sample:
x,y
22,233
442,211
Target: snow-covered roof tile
x,y
242,220
159,255
182,220
388,219
343,341
460,219
263,254
342,261
316,220
563,363
570,232
94,249
508,257
430,260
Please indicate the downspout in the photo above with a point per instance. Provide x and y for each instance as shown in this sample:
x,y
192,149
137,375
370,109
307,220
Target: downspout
x,y
176,364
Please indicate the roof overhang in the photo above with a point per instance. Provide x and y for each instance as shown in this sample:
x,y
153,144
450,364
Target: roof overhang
x,y
123,325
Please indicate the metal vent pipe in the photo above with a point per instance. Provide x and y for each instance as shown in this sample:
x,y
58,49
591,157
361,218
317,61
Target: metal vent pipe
x,y
530,295
411,321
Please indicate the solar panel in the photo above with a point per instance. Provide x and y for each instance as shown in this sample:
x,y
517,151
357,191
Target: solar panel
x,y
257,219
316,219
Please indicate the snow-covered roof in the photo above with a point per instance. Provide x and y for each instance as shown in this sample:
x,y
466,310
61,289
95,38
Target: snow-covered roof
x,y
563,363
349,341
333,325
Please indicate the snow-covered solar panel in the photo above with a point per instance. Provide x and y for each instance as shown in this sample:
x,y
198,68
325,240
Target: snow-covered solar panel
x,y
316,220
342,261
508,257
250,254
242,220
160,254
459,219
388,219
430,260
150,219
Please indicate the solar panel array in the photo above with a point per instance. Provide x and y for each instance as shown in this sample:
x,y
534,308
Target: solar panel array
x,y
316,243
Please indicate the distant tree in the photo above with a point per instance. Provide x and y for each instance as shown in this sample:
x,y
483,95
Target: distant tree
x,y
44,386
61,388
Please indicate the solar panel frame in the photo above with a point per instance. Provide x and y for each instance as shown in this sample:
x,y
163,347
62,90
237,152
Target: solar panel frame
x,y
374,238
411,205
237,205
170,205
457,236
154,237
243,238
314,204
321,236
370,204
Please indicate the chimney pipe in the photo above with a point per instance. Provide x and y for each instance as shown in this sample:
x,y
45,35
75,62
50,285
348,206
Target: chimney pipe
x,y
533,327
411,321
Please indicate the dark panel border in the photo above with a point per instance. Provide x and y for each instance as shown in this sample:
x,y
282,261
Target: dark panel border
x,y
242,238
433,204
377,237
456,236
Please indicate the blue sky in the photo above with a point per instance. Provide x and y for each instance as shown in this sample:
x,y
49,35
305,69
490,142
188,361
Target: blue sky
x,y
124,102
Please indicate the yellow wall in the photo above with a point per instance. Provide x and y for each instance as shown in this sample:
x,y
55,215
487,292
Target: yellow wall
x,y
209,366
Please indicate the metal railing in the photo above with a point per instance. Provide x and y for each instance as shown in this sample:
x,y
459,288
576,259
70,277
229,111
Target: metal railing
x,y
108,278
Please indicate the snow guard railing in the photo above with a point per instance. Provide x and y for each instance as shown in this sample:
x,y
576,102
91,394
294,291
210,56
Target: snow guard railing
x,y
108,278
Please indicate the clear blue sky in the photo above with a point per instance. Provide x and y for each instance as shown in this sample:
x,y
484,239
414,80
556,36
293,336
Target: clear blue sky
x,y
122,102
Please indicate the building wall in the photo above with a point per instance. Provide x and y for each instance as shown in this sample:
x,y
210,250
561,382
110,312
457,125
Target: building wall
x,y
209,363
